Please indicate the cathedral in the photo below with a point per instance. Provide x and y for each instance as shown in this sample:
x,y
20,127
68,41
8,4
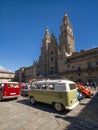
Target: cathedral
x,y
53,55
60,60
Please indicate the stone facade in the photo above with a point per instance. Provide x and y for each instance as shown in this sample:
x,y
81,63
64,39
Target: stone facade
x,y
6,76
53,56
59,60
26,74
48,61
82,66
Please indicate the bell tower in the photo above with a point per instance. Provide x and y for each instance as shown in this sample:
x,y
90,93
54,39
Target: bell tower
x,y
66,36
44,59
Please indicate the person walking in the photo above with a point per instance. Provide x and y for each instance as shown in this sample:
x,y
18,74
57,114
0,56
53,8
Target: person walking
x,y
94,85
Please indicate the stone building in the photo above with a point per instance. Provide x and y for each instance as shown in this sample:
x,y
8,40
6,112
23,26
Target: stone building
x,y
6,76
59,60
82,66
26,74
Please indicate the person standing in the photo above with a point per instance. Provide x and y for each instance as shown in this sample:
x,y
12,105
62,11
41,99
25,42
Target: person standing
x,y
94,85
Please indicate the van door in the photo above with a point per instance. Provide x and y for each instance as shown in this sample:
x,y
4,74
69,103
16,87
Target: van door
x,y
45,94
48,93
12,89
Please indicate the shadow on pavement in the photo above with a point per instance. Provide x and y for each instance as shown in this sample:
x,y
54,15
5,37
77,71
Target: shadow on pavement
x,y
8,99
41,106
87,119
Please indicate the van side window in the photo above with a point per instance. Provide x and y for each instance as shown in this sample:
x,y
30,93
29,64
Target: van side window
x,y
51,87
60,87
72,86
44,86
32,86
35,86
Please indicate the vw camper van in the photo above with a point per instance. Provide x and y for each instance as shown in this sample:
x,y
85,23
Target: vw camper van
x,y
62,94
9,90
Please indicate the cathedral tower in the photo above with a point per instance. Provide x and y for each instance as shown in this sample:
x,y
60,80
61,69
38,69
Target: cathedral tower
x,y
43,60
53,57
66,36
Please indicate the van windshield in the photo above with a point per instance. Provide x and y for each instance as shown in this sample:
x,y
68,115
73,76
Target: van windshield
x,y
72,86
13,85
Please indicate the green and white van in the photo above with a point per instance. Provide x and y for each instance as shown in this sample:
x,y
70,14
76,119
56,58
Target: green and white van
x,y
62,94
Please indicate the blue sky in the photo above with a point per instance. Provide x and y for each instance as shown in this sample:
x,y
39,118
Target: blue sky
x,y
23,24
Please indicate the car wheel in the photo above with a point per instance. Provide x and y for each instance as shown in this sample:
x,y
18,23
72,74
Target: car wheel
x,y
32,100
58,107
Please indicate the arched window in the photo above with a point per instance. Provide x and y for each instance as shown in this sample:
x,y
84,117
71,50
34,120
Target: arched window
x,y
52,70
51,59
51,52
65,31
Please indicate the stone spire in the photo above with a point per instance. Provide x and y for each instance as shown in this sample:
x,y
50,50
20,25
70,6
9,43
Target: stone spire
x,y
47,34
65,19
46,40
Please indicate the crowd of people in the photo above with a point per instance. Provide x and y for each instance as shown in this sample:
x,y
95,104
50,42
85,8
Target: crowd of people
x,y
91,85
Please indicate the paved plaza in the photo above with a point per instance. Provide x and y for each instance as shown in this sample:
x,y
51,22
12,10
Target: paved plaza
x,y
21,115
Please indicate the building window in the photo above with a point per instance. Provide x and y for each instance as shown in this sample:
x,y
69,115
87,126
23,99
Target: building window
x,y
52,70
51,59
79,68
89,65
96,62
51,52
71,77
79,74
65,31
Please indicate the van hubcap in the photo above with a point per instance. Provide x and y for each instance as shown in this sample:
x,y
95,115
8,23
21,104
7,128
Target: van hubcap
x,y
32,100
58,106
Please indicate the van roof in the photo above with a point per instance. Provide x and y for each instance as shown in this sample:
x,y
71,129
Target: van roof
x,y
10,82
55,81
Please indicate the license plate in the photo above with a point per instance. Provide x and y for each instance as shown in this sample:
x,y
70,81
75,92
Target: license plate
x,y
12,93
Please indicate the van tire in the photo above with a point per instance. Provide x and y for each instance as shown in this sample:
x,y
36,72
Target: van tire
x,y
32,100
58,107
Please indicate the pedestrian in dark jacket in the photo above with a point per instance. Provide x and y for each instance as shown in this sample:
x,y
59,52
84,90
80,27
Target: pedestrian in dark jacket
x,y
94,85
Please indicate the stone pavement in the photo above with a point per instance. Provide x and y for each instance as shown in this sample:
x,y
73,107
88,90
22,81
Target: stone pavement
x,y
20,115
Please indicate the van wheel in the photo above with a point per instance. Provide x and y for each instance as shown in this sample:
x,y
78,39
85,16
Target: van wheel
x,y
32,100
58,107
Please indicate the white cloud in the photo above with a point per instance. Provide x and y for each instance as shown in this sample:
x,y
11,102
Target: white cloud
x,y
2,68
